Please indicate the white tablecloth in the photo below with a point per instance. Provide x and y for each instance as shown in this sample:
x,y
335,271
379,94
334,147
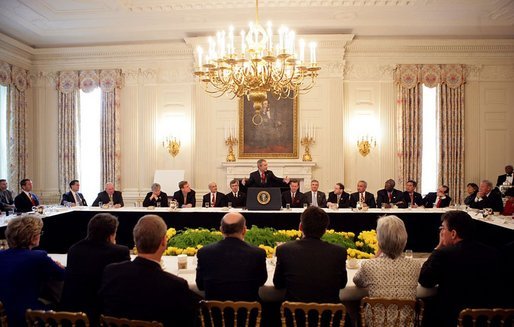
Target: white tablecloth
x,y
268,292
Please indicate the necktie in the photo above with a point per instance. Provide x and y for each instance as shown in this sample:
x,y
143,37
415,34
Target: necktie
x,y
362,197
314,199
438,204
390,196
110,198
338,198
213,199
77,201
235,195
412,198
263,178
185,198
32,199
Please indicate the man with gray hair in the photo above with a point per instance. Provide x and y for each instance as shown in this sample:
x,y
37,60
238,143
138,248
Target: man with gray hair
x,y
109,197
214,198
487,197
231,269
6,197
156,198
141,289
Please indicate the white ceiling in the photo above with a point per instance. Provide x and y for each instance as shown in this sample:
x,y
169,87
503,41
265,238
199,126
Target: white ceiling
x,y
52,23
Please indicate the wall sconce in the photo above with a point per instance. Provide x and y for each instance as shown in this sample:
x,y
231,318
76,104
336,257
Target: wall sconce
x,y
172,145
230,140
365,144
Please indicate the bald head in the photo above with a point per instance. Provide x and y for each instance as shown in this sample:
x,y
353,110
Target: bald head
x,y
233,224
109,188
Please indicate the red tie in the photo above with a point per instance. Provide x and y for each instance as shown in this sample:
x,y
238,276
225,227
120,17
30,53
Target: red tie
x,y
438,204
263,178
390,195
213,199
32,199
412,198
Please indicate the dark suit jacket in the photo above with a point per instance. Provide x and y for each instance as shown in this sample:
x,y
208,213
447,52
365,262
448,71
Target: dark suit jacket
x,y
470,198
460,272
221,199
6,200
271,180
231,269
383,197
141,290
493,201
68,197
418,199
297,202
23,203
430,201
84,268
22,276
321,197
311,270
369,199
162,198
237,202
179,197
344,200
501,179
117,198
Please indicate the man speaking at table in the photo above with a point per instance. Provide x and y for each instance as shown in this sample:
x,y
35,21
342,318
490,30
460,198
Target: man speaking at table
x,y
263,177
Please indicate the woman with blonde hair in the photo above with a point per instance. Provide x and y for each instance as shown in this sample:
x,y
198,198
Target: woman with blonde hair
x,y
23,271
390,275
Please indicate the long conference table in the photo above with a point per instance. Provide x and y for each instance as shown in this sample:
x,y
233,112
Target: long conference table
x,y
65,226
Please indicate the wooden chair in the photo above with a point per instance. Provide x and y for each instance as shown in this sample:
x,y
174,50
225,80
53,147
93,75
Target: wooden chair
x,y
486,317
386,312
52,318
300,314
229,313
107,321
3,316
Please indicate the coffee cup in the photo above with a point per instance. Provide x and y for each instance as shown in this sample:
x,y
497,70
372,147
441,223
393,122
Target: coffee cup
x,y
182,261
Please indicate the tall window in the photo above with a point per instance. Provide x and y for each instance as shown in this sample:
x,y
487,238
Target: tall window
x,y
89,155
3,132
430,153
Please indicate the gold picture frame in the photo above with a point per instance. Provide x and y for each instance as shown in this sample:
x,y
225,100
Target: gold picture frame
x,y
276,136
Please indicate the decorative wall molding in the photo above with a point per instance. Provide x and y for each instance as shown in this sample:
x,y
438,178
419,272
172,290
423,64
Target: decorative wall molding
x,y
368,72
497,73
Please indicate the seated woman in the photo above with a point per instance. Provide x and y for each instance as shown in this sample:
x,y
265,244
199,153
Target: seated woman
x,y
25,271
508,209
156,198
472,190
390,275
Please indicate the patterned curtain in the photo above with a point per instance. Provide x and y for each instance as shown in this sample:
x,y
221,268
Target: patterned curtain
x,y
450,79
70,82
409,96
451,119
17,81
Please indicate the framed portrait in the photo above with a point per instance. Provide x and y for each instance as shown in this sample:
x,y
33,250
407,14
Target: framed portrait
x,y
277,134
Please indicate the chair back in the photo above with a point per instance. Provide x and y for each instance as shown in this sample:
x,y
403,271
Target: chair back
x,y
107,321
308,314
387,312
229,313
58,319
486,317
3,316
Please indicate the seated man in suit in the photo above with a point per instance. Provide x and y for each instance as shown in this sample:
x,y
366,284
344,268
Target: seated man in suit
x,y
214,198
86,262
439,199
73,196
459,265
263,177
293,196
507,177
156,198
472,190
314,197
141,289
231,269
310,269
6,197
389,196
185,196
26,199
365,198
487,197
411,198
235,198
338,197
109,197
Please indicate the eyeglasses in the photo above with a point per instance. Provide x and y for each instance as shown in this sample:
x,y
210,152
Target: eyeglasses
x,y
443,227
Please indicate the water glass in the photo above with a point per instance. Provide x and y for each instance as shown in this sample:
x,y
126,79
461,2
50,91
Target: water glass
x,y
229,205
408,254
206,204
100,204
305,205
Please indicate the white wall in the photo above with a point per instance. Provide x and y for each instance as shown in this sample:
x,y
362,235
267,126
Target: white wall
x,y
355,81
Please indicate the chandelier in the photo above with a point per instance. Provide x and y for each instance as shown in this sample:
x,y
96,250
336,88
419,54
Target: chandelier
x,y
259,66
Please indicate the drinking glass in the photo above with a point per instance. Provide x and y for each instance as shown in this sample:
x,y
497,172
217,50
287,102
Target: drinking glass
x,y
206,204
229,205
305,205
288,206
408,254
100,204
